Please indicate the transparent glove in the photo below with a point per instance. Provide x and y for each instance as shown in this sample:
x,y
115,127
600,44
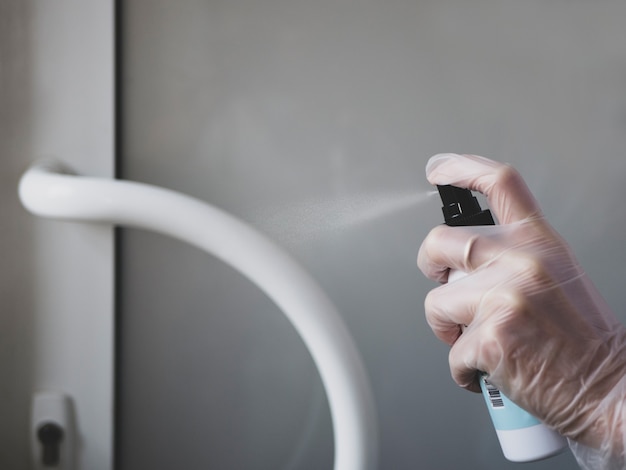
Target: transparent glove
x,y
526,314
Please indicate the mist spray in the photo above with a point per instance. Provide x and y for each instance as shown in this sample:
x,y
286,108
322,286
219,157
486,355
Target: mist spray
x,y
523,438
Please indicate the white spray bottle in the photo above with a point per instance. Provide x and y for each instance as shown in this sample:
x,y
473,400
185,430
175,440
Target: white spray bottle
x,y
523,438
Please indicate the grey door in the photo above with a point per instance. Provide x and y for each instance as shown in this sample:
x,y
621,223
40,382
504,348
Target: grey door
x,y
313,121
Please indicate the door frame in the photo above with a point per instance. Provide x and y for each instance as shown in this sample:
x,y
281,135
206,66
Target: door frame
x,y
73,119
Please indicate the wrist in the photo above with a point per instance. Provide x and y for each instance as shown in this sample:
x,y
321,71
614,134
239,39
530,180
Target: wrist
x,y
601,419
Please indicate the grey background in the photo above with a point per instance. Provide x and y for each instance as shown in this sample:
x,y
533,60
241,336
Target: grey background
x,y
261,107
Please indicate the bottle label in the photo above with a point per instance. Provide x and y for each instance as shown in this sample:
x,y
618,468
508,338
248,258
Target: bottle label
x,y
505,414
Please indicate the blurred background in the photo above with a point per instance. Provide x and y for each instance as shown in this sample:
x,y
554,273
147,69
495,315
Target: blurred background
x,y
313,121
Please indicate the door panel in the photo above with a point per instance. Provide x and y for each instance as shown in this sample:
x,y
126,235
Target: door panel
x,y
308,119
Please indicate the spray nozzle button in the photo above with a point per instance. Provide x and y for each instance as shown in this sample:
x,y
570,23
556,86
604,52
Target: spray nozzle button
x,y
460,207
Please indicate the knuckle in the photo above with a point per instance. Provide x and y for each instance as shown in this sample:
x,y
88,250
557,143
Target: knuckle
x,y
430,303
425,248
444,330
461,370
506,312
429,253
455,360
490,344
502,301
506,176
530,268
436,233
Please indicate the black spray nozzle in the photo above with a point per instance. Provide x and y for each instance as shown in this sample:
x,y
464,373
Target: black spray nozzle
x,y
460,207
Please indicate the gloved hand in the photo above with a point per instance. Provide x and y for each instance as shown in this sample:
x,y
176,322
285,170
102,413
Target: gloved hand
x,y
534,321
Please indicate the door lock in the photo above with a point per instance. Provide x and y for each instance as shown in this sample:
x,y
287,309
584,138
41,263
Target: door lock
x,y
53,432
50,436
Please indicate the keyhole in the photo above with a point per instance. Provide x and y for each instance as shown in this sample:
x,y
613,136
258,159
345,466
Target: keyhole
x,y
50,435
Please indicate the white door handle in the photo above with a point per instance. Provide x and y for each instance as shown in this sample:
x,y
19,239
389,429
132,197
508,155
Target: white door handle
x,y
51,190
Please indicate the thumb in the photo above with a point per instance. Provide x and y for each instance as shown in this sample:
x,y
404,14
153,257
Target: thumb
x,y
508,195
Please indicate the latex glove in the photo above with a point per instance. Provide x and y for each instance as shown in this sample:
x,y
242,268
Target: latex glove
x,y
535,323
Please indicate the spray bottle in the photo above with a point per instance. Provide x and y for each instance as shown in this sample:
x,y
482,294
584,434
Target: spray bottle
x,y
523,438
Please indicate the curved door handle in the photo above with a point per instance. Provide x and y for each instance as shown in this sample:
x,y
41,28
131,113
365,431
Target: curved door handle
x,y
52,190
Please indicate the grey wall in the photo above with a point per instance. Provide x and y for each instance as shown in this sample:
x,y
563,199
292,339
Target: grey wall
x,y
263,107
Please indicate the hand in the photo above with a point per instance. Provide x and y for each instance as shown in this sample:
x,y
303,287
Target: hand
x,y
535,323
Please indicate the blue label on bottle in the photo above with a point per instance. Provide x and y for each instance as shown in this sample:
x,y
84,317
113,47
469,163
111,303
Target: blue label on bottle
x,y
505,414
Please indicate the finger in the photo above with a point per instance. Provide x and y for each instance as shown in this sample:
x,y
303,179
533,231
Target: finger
x,y
451,307
462,248
478,350
483,343
464,363
508,195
